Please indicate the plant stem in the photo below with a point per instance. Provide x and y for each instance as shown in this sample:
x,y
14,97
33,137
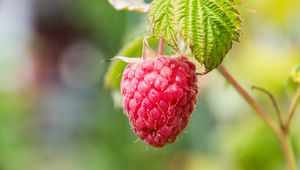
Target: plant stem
x,y
281,133
292,108
287,150
266,117
274,102
161,46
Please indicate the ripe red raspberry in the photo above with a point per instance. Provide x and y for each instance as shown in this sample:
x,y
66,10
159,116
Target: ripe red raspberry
x,y
159,96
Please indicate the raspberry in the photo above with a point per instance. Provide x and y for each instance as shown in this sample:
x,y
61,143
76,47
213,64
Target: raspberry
x,y
159,96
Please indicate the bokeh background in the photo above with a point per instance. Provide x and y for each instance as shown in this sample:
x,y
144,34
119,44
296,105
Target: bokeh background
x,y
56,112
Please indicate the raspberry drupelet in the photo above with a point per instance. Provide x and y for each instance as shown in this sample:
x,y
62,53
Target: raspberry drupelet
x,y
159,96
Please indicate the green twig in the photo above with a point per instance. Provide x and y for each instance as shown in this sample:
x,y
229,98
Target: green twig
x,y
293,108
281,134
274,102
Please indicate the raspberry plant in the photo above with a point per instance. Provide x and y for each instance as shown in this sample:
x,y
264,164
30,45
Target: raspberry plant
x,y
203,30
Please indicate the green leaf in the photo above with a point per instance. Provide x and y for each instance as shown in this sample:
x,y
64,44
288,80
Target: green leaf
x,y
208,27
130,5
114,73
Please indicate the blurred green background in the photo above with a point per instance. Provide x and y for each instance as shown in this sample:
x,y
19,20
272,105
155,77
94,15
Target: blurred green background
x,y
57,114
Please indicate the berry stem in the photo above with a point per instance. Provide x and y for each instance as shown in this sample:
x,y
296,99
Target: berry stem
x,y
161,47
281,132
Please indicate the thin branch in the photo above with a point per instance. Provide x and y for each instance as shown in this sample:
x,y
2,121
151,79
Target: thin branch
x,y
274,102
293,107
280,133
287,150
265,116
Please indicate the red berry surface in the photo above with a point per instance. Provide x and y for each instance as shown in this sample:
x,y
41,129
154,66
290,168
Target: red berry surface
x,y
159,96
